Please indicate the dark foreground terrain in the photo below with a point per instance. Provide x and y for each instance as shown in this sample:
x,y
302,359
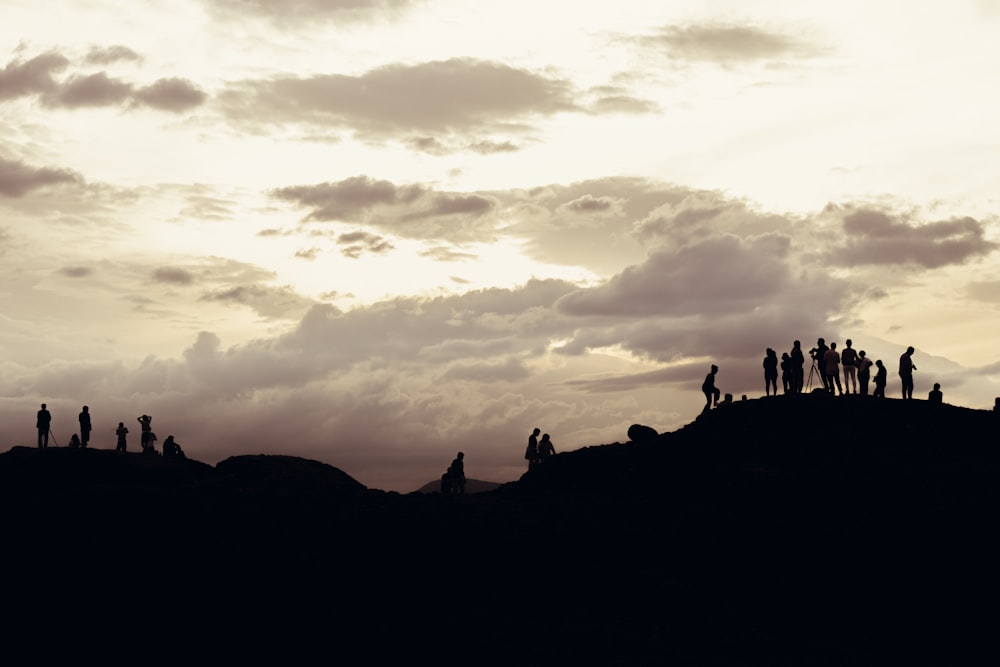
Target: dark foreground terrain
x,y
799,530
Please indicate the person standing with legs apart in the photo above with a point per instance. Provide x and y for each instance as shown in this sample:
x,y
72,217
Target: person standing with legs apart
x,y
906,369
849,359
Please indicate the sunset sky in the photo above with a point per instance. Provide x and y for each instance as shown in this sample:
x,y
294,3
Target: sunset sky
x,y
378,232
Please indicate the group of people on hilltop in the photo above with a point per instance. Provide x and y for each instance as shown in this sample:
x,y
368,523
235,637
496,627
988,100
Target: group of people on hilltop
x,y
828,363
538,450
43,422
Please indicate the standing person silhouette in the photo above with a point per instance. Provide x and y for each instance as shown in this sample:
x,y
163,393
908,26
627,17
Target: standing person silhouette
x,y
786,373
146,423
864,371
906,369
121,432
545,449
43,423
456,474
798,359
531,453
849,359
710,390
832,366
819,356
770,372
880,378
84,426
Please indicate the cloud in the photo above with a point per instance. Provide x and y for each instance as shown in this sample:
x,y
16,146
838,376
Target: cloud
x,y
718,275
426,104
76,271
876,238
106,55
268,302
443,254
725,43
172,276
96,89
21,78
173,94
305,12
410,211
357,243
985,290
17,178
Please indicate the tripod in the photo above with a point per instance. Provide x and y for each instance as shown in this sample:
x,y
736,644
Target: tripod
x,y
814,371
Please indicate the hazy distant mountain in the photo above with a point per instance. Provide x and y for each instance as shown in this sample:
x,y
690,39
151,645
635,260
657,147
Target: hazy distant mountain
x,y
790,530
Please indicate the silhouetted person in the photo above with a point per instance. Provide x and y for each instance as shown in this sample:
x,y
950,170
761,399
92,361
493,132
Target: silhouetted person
x,y
798,359
818,354
545,448
727,400
849,359
880,377
906,369
710,390
832,366
171,448
446,483
43,422
864,371
934,395
121,432
531,453
456,473
786,373
996,405
146,424
85,426
770,372
74,441
149,447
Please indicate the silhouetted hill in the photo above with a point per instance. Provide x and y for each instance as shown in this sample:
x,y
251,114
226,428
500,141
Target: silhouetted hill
x,y
796,530
471,486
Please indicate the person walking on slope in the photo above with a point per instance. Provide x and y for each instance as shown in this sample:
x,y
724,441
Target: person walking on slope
x,y
906,369
710,390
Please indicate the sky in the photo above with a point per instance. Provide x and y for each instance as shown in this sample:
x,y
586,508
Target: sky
x,y
377,232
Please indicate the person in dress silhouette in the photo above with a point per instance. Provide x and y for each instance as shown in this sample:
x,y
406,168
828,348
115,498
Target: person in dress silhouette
x,y
880,377
531,453
121,432
849,360
84,426
43,422
456,473
545,448
770,372
711,392
934,395
906,368
864,371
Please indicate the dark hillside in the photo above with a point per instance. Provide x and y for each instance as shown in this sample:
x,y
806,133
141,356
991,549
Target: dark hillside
x,y
786,531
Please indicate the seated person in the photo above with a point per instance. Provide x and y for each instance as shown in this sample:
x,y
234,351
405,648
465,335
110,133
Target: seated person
x,y
935,396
